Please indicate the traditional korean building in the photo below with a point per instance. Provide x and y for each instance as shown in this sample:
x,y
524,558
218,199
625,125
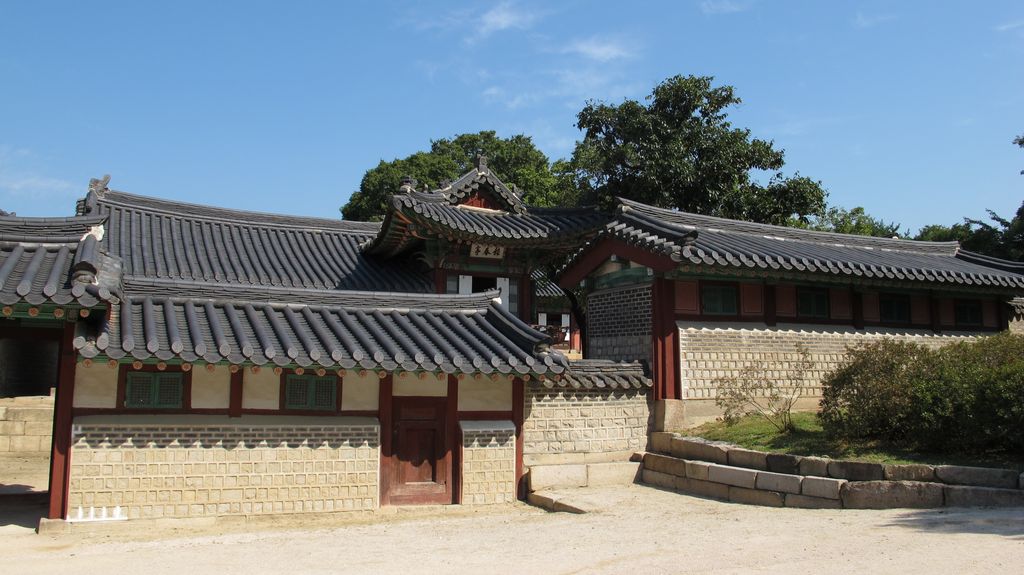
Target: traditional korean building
x,y
214,362
703,297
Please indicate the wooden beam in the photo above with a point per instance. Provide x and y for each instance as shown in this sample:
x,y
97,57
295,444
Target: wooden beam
x,y
235,401
60,451
606,248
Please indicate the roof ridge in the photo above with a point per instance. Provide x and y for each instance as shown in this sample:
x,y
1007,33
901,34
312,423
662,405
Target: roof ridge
x,y
787,233
228,215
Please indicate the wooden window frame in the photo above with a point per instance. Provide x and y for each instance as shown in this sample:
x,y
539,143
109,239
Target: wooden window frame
x,y
801,290
904,322
720,315
958,302
282,402
122,388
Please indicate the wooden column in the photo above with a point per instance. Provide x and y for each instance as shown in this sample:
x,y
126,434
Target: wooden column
x,y
454,439
384,412
770,318
235,401
935,312
60,451
518,408
857,302
664,340
440,281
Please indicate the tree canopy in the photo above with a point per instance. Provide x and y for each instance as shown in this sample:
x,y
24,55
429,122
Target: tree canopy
x,y
680,151
855,221
1002,238
515,160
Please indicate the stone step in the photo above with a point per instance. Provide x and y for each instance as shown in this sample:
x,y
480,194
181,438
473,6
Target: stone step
x,y
26,413
548,477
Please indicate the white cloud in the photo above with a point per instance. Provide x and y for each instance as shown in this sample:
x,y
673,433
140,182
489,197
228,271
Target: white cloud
x,y
18,179
600,49
479,24
1007,26
504,16
724,6
870,21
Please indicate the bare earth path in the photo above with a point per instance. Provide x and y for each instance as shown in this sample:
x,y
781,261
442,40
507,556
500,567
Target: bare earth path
x,y
634,530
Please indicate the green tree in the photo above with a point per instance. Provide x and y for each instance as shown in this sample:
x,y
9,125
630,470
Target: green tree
x,y
855,221
1019,140
680,151
1002,238
515,160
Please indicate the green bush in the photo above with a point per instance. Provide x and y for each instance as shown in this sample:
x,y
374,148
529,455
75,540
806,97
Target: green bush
x,y
962,397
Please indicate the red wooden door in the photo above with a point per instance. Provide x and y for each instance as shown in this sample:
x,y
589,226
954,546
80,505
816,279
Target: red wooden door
x,y
421,457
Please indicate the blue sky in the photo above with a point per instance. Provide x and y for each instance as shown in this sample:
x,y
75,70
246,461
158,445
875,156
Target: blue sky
x,y
905,108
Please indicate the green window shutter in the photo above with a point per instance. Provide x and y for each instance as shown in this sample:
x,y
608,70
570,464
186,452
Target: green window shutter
x,y
168,391
812,302
309,393
148,390
719,300
138,390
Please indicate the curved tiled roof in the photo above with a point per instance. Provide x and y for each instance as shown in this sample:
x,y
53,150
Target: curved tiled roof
x,y
602,374
55,260
453,334
161,239
482,178
704,240
416,215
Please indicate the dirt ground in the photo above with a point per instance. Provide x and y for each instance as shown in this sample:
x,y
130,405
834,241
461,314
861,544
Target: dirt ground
x,y
636,530
24,472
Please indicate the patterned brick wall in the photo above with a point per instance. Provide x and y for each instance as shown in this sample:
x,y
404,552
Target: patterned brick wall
x,y
488,462
182,470
710,352
26,424
562,426
619,323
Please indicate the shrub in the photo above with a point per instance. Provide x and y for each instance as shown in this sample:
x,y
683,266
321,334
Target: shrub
x,y
756,389
962,397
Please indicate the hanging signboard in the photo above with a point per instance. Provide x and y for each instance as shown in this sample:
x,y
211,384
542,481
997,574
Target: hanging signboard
x,y
486,251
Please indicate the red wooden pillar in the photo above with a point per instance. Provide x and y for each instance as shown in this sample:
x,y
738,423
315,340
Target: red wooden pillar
x,y
60,451
935,311
454,439
664,340
770,315
384,413
857,300
518,408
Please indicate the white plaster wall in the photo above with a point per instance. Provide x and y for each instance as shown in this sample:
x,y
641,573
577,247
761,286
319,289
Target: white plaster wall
x,y
211,390
485,395
95,386
360,393
410,384
261,390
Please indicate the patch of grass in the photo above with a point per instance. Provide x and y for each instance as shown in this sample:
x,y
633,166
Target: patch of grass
x,y
754,432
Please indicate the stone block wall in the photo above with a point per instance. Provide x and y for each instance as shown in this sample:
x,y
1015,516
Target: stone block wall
x,y
198,466
488,462
711,352
583,426
26,425
619,324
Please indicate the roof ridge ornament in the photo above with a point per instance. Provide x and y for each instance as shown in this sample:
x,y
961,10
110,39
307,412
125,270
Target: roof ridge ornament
x,y
99,185
408,185
481,163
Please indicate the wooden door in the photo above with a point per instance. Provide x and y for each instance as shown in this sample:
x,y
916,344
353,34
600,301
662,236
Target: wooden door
x,y
421,458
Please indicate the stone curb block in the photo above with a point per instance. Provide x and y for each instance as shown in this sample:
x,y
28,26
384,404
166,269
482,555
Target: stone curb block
x,y
697,470
544,477
734,476
617,473
661,441
659,479
748,458
971,496
891,494
783,463
756,497
912,472
822,487
814,467
699,449
977,476
703,488
665,464
551,503
807,502
778,482
856,470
